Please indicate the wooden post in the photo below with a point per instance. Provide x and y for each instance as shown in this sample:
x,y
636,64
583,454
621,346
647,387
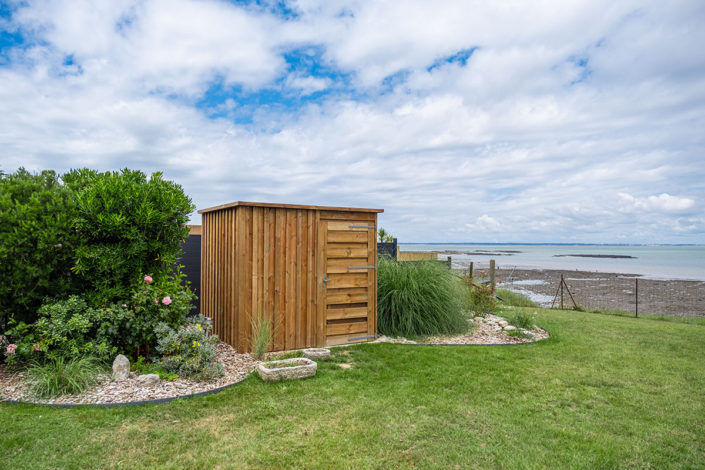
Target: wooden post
x,y
562,282
449,264
470,271
492,274
636,297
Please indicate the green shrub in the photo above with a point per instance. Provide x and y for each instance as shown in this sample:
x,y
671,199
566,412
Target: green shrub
x,y
61,376
132,326
126,225
84,233
36,243
419,298
65,329
482,299
188,350
71,328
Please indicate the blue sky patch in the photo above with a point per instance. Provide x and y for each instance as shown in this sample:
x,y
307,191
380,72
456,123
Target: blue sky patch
x,y
275,7
461,58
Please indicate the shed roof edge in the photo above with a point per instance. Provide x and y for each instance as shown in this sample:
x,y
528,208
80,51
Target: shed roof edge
x,y
286,206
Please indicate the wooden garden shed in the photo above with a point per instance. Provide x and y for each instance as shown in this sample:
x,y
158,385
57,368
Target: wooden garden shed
x,y
309,270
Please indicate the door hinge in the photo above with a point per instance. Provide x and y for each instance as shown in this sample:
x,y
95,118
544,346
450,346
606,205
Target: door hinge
x,y
356,338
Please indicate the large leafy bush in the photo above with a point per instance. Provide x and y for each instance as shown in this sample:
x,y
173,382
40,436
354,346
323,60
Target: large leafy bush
x,y
126,225
85,233
37,243
419,298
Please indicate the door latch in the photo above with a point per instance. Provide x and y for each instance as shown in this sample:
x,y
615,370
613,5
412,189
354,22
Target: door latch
x,y
325,281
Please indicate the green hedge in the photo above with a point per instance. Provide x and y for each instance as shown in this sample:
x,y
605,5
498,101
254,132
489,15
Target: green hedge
x,y
37,242
88,233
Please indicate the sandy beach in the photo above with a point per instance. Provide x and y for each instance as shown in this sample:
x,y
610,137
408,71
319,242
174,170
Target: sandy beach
x,y
611,291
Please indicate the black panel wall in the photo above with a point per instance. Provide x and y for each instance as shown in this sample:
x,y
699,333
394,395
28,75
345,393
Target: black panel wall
x,y
191,261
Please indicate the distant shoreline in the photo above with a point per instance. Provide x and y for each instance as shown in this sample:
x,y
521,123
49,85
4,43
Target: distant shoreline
x,y
550,244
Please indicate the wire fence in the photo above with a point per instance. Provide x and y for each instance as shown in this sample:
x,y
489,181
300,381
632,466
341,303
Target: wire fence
x,y
605,291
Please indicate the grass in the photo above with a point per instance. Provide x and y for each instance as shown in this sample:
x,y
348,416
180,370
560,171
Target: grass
x,y
419,298
514,299
261,336
522,319
63,376
603,392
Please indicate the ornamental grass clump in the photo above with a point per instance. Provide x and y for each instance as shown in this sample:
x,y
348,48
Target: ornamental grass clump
x,y
261,336
60,376
419,298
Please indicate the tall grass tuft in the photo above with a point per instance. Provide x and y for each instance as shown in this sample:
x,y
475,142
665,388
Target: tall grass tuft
x,y
60,376
419,298
522,320
261,336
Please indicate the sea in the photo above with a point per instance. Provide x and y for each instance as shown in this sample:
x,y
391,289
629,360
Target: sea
x,y
650,261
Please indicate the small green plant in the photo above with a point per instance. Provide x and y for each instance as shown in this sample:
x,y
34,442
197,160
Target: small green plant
x,y
61,376
384,236
188,350
482,299
419,298
518,334
141,366
261,336
522,320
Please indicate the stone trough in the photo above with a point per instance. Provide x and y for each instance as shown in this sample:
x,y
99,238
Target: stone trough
x,y
316,353
287,369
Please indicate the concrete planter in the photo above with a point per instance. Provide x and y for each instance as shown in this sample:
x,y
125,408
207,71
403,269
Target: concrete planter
x,y
316,353
287,369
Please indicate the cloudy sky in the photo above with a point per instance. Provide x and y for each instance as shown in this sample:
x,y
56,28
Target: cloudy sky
x,y
503,121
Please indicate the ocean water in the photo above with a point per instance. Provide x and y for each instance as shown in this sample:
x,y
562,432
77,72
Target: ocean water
x,y
651,261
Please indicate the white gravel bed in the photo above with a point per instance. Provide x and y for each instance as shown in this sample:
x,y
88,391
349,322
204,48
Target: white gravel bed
x,y
236,368
487,330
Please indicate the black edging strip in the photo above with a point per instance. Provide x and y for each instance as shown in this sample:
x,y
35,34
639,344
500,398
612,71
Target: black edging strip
x,y
158,401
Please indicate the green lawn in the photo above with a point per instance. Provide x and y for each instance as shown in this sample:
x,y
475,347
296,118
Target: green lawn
x,y
603,392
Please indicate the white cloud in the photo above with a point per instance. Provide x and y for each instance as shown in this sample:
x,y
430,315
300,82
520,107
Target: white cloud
x,y
662,203
561,107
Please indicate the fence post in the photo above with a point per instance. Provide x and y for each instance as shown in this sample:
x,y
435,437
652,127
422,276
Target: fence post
x,y
449,263
492,274
470,271
636,297
562,282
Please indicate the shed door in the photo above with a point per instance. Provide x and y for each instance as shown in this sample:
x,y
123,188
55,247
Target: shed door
x,y
350,282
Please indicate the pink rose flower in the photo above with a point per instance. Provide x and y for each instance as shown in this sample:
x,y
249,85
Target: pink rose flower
x,y
11,348
36,347
156,301
148,279
166,300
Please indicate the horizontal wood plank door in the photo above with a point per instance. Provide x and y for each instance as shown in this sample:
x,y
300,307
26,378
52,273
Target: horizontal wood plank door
x,y
349,281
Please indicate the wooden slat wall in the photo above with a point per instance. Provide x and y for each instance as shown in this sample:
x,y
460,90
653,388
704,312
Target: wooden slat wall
x,y
270,261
